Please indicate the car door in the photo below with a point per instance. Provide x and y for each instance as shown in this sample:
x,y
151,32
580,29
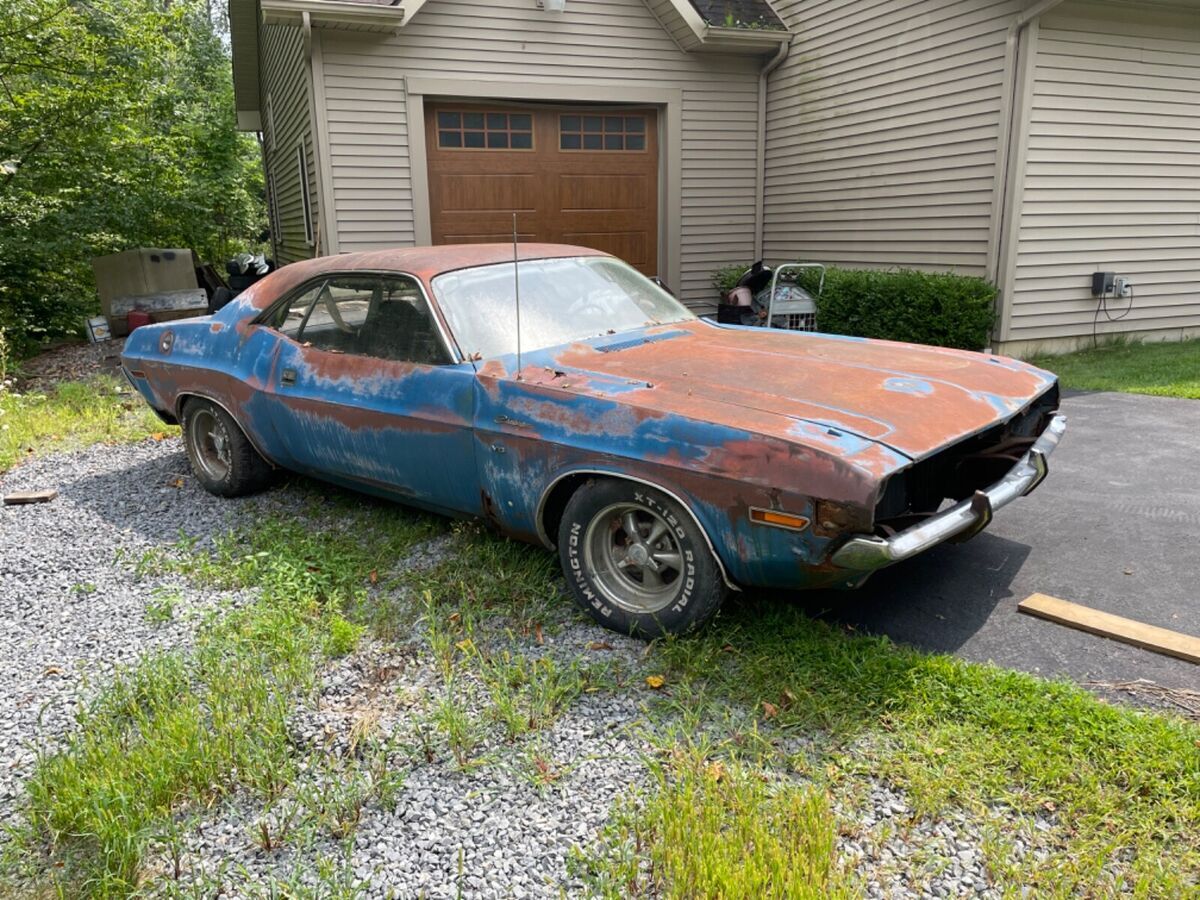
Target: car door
x,y
366,391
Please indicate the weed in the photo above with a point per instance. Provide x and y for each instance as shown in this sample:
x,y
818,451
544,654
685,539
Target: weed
x,y
451,717
160,606
343,636
528,695
719,829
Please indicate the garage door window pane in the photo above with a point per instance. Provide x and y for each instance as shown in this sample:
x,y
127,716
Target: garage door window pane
x,y
484,131
607,133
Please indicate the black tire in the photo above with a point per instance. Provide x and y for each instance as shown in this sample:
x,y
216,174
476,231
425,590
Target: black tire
x,y
664,582
223,460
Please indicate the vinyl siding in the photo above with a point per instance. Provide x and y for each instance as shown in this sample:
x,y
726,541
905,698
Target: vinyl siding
x,y
615,43
882,133
1112,180
285,79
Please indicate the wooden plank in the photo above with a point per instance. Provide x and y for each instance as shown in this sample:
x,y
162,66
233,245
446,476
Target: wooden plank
x,y
19,497
1118,628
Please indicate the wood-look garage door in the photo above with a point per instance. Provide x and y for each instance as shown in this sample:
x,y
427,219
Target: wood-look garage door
x,y
573,176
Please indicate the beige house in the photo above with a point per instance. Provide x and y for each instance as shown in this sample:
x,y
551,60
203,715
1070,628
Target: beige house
x,y
1034,143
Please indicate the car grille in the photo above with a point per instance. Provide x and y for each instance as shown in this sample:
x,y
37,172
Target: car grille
x,y
956,472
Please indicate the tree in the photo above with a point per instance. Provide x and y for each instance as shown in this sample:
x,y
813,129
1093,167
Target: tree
x,y
117,130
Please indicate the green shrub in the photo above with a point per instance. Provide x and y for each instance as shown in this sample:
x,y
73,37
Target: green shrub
x,y
938,308
725,278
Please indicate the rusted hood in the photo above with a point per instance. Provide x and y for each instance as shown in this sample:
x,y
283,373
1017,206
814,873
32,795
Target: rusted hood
x,y
911,398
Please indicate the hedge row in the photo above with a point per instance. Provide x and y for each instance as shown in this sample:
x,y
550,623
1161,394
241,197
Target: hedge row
x,y
899,305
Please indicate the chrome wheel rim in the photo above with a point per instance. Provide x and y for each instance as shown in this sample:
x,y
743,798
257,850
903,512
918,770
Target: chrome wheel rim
x,y
634,558
210,444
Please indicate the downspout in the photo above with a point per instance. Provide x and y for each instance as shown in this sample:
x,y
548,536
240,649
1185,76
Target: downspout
x,y
319,230
1008,114
760,172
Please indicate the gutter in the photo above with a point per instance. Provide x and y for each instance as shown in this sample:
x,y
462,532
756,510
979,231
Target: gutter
x,y
760,172
1008,114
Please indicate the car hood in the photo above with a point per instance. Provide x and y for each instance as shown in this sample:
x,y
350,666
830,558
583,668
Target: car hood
x,y
911,398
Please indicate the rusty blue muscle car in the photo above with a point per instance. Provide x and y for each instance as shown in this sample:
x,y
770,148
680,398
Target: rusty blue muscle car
x,y
668,458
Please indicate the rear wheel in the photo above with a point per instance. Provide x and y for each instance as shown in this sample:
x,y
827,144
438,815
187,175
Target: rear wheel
x,y
637,561
222,458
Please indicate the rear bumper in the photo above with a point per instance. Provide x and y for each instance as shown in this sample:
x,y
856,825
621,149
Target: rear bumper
x,y
865,553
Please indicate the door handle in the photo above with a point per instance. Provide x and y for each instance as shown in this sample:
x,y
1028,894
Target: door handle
x,y
288,376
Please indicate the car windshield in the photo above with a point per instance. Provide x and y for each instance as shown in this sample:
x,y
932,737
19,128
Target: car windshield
x,y
562,300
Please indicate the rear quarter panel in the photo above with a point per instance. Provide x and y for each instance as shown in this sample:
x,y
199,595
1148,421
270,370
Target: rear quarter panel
x,y
210,357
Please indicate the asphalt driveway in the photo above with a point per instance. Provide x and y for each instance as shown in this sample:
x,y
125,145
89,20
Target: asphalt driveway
x,y
1116,526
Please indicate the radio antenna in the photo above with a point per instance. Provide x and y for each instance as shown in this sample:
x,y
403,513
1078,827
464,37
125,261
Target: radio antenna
x,y
517,293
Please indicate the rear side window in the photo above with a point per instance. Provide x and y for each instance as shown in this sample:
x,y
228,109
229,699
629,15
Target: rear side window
x,y
385,317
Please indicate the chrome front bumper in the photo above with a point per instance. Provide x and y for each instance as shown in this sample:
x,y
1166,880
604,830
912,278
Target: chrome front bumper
x,y
865,553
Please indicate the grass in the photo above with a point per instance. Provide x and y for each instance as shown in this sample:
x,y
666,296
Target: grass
x,y
711,829
732,806
175,729
72,415
1167,369
1120,787
183,729
1123,785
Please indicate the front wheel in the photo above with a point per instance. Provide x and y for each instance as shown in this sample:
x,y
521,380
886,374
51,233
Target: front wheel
x,y
637,561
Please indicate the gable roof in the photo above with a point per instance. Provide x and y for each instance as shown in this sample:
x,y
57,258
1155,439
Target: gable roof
x,y
726,26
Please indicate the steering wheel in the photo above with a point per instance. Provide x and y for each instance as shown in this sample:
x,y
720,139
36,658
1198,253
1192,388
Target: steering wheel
x,y
326,297
591,306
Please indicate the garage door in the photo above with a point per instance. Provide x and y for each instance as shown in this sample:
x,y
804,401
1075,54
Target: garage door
x,y
573,176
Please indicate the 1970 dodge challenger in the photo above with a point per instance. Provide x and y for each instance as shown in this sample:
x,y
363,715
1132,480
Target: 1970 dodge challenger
x,y
668,458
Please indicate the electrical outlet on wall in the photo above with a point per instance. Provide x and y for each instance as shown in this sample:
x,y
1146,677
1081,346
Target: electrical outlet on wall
x,y
1122,286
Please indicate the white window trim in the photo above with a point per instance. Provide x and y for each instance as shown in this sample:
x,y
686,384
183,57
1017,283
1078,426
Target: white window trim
x,y
305,196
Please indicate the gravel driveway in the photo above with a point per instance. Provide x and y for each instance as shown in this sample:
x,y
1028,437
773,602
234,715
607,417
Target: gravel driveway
x,y
72,611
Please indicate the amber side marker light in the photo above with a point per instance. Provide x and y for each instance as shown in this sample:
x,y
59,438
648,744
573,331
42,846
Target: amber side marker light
x,y
778,519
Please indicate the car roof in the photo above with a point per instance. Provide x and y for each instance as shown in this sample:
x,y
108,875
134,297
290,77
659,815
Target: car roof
x,y
423,262
428,262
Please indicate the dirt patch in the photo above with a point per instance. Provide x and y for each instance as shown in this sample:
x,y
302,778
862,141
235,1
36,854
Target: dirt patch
x,y
70,362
